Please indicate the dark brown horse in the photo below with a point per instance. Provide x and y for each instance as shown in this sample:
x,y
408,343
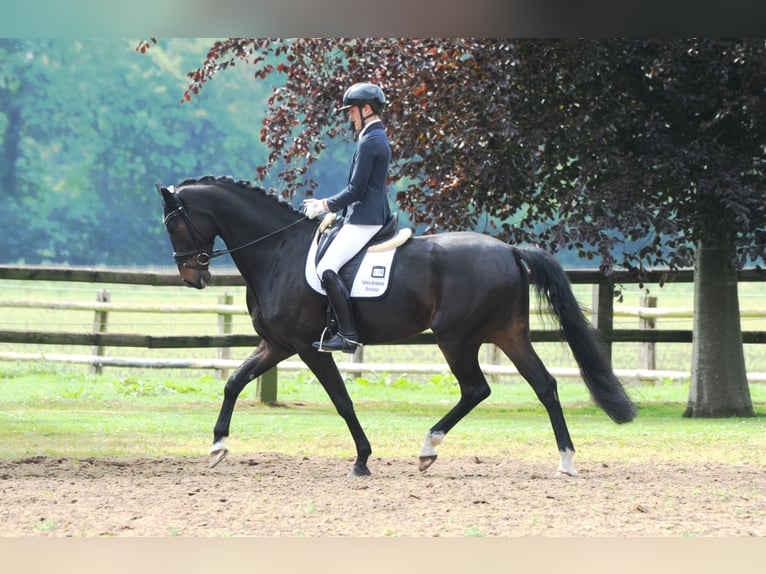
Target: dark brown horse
x,y
468,288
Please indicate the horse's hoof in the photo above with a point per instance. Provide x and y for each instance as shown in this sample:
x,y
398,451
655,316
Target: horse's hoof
x,y
359,471
217,456
426,462
566,465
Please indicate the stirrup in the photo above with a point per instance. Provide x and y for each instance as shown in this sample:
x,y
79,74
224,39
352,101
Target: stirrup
x,y
319,345
344,344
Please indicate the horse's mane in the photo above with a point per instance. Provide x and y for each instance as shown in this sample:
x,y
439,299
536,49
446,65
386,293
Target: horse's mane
x,y
241,184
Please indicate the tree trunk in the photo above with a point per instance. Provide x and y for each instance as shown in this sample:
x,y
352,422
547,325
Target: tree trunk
x,y
719,382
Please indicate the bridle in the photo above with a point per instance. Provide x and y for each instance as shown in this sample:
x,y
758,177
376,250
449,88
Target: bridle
x,y
204,256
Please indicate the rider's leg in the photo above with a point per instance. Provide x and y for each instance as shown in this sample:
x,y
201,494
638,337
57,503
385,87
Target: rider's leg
x,y
346,339
348,242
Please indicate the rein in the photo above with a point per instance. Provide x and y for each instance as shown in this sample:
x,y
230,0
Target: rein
x,y
203,257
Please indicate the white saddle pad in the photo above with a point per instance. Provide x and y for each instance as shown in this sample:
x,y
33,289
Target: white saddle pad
x,y
370,281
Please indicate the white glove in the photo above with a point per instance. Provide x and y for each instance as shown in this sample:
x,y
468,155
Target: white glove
x,y
313,207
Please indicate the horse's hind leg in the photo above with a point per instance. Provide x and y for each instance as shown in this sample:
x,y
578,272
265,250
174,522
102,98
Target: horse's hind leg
x,y
529,365
464,362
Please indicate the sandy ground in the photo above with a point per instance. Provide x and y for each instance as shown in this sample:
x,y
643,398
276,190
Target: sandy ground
x,y
272,494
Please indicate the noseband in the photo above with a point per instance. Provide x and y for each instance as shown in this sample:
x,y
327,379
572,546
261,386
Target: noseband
x,y
203,256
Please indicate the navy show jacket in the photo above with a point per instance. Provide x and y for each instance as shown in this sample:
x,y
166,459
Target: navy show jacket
x,y
364,200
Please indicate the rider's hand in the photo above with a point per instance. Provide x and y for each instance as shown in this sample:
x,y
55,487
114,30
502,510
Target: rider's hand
x,y
313,207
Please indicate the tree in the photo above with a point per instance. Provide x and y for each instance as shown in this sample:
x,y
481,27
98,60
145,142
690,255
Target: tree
x,y
86,129
638,153
658,155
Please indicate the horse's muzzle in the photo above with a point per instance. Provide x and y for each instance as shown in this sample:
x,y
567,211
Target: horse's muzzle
x,y
196,278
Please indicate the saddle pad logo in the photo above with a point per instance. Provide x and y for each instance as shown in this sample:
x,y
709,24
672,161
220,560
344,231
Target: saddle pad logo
x,y
373,276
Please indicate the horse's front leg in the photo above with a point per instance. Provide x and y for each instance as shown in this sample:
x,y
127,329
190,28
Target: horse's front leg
x,y
324,367
261,360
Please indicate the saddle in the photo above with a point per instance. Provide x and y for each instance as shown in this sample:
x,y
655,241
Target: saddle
x,y
332,224
367,274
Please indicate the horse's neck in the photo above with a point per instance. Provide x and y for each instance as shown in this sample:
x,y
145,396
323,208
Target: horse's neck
x,y
243,219
244,216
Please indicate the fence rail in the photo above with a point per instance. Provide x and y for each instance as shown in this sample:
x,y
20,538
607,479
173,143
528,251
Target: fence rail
x,y
603,314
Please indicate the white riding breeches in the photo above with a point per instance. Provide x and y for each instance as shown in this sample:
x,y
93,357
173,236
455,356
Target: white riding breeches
x,y
350,239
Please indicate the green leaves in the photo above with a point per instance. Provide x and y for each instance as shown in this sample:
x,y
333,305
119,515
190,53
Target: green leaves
x,y
627,151
88,129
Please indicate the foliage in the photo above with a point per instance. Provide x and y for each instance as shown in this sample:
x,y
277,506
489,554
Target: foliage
x,y
86,129
634,152
630,151
659,140
627,151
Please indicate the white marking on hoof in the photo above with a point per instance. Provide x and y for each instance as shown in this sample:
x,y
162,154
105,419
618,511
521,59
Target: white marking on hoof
x,y
429,446
565,464
428,452
217,453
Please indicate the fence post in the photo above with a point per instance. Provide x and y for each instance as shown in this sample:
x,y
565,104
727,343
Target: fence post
x,y
492,354
99,326
266,387
646,351
357,357
603,314
225,321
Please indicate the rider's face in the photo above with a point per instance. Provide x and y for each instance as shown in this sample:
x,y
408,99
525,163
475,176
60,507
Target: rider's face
x,y
355,117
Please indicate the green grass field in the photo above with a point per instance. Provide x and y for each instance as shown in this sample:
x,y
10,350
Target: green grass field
x,y
63,410
59,410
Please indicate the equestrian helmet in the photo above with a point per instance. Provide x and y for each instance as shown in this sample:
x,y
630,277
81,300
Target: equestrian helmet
x,y
363,93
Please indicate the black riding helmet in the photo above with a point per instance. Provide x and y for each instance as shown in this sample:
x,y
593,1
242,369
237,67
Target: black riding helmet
x,y
363,93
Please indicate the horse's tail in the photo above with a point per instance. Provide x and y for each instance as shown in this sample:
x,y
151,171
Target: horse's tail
x,y
553,285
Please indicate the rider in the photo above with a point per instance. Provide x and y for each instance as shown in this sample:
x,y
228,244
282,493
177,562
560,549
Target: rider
x,y
364,202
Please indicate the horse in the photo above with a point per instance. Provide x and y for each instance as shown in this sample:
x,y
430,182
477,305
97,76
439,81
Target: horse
x,y
468,288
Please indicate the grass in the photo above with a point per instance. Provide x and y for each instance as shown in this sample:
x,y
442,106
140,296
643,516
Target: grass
x,y
60,410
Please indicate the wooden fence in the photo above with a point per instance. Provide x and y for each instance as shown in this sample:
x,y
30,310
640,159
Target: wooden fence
x,y
603,314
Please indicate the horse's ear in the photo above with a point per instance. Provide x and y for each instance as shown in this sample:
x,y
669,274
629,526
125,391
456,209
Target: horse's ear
x,y
166,194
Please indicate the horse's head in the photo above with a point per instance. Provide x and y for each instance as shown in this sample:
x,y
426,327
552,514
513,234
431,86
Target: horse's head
x,y
191,239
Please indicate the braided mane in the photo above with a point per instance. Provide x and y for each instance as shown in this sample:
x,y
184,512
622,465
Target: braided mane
x,y
242,184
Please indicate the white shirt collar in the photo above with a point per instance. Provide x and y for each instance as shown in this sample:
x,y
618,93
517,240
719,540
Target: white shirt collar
x,y
367,127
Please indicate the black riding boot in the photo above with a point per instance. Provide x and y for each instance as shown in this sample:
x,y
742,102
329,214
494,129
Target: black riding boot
x,y
346,338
